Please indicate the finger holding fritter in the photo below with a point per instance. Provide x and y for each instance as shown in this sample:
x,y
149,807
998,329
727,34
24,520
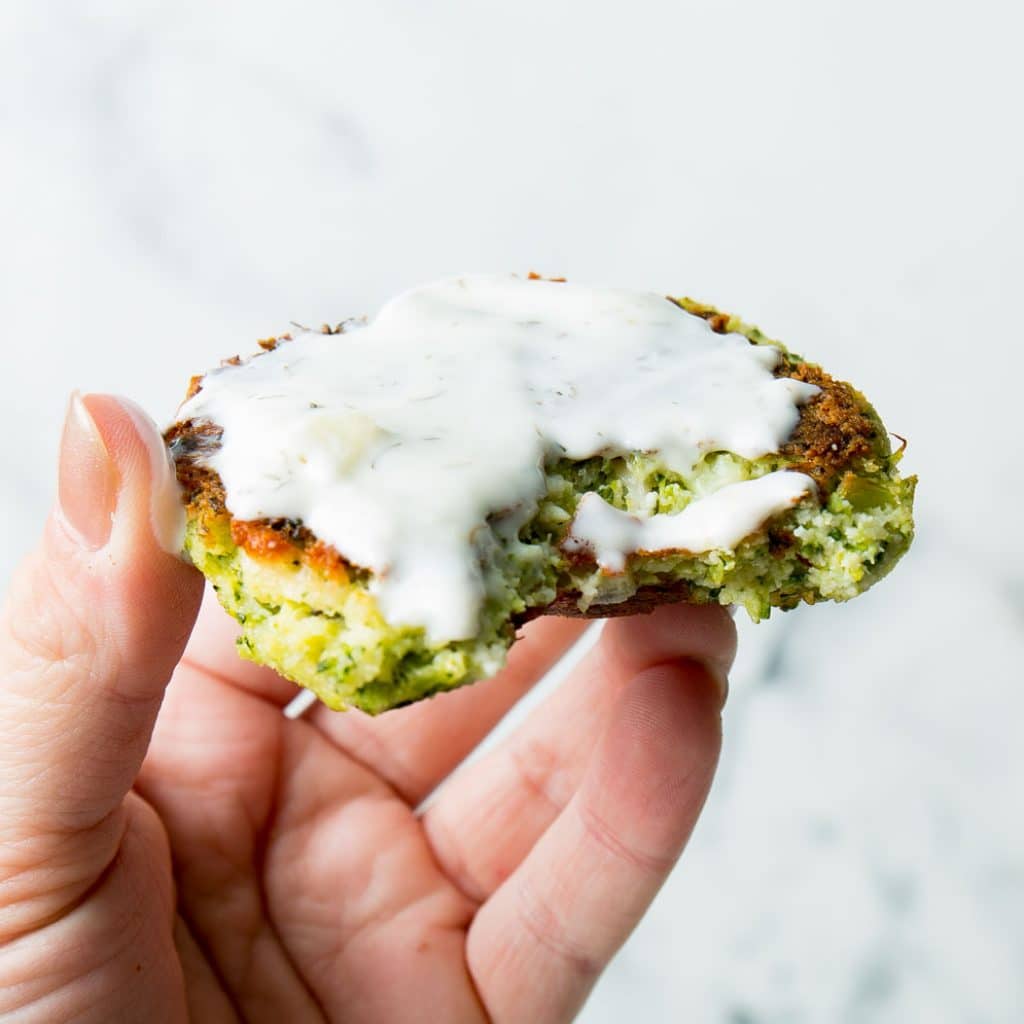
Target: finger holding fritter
x,y
486,819
537,946
96,620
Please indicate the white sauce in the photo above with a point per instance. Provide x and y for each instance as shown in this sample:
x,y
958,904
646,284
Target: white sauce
x,y
721,520
394,442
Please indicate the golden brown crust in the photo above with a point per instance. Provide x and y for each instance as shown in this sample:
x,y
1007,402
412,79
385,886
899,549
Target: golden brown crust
x,y
189,442
837,428
264,539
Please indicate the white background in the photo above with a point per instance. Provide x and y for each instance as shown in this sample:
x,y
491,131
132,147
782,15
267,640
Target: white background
x,y
178,179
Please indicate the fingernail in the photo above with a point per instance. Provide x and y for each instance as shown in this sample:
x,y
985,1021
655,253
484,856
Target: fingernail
x,y
166,511
87,481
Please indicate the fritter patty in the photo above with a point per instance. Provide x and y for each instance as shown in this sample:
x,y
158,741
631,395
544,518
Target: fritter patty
x,y
310,614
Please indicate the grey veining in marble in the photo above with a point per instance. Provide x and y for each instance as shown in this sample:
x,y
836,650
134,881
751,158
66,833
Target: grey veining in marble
x,y
179,179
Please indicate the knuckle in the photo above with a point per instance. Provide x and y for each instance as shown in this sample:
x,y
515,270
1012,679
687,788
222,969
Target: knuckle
x,y
551,932
609,839
45,631
539,773
448,844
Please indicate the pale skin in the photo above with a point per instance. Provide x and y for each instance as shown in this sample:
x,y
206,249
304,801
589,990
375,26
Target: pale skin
x,y
173,848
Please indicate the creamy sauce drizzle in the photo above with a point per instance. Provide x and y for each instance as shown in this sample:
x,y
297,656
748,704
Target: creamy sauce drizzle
x,y
396,441
721,520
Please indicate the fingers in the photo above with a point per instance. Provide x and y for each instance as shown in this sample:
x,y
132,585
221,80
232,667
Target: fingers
x,y
357,897
415,748
106,958
411,748
537,946
92,628
704,633
307,882
212,774
487,818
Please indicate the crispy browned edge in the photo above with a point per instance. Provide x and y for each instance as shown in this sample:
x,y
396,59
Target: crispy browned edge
x,y
837,430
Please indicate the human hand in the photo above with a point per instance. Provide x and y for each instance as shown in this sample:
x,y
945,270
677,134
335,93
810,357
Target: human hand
x,y
220,862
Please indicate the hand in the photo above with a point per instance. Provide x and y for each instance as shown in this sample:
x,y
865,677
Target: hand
x,y
219,861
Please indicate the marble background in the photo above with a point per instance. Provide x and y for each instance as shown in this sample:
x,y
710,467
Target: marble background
x,y
180,178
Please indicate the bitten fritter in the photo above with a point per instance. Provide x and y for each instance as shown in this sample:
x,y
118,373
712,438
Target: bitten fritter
x,y
312,615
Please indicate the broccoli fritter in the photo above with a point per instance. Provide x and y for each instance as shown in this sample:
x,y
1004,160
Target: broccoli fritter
x,y
307,612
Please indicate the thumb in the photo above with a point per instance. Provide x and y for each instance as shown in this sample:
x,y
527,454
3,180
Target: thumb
x,y
93,626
